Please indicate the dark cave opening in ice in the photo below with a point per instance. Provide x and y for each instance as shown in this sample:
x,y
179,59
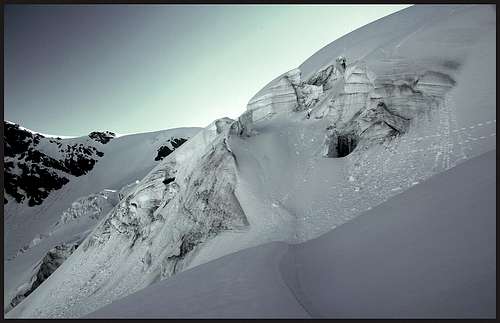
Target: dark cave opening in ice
x,y
341,145
345,145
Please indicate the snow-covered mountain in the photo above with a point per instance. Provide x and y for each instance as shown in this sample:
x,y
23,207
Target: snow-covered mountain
x,y
387,263
375,113
57,189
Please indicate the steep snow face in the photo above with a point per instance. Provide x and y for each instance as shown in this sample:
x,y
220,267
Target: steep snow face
x,y
71,212
50,262
404,258
75,223
46,175
386,106
153,232
85,209
393,117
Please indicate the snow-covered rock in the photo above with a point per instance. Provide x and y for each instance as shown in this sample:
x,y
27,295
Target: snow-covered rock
x,y
72,211
391,108
74,224
36,166
157,226
44,175
45,267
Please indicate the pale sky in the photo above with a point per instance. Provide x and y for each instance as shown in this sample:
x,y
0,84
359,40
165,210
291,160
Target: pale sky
x,y
73,69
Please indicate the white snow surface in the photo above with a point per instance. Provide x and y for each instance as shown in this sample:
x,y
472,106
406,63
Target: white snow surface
x,y
282,173
426,71
69,214
126,159
428,252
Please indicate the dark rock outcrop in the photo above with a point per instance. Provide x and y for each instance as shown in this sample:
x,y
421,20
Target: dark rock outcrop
x,y
171,145
31,173
102,137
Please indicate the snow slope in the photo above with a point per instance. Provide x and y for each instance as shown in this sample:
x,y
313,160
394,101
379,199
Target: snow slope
x,y
392,105
148,235
125,160
282,170
428,252
70,213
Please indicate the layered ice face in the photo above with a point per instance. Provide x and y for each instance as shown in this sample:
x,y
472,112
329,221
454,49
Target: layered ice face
x,y
390,106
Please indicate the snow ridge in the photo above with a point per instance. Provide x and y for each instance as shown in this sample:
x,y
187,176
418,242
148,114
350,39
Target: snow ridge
x,y
316,148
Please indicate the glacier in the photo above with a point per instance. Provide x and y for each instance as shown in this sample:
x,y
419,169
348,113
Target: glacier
x,y
393,104
387,263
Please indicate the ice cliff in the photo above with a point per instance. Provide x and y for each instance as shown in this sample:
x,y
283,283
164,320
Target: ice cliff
x,y
388,111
